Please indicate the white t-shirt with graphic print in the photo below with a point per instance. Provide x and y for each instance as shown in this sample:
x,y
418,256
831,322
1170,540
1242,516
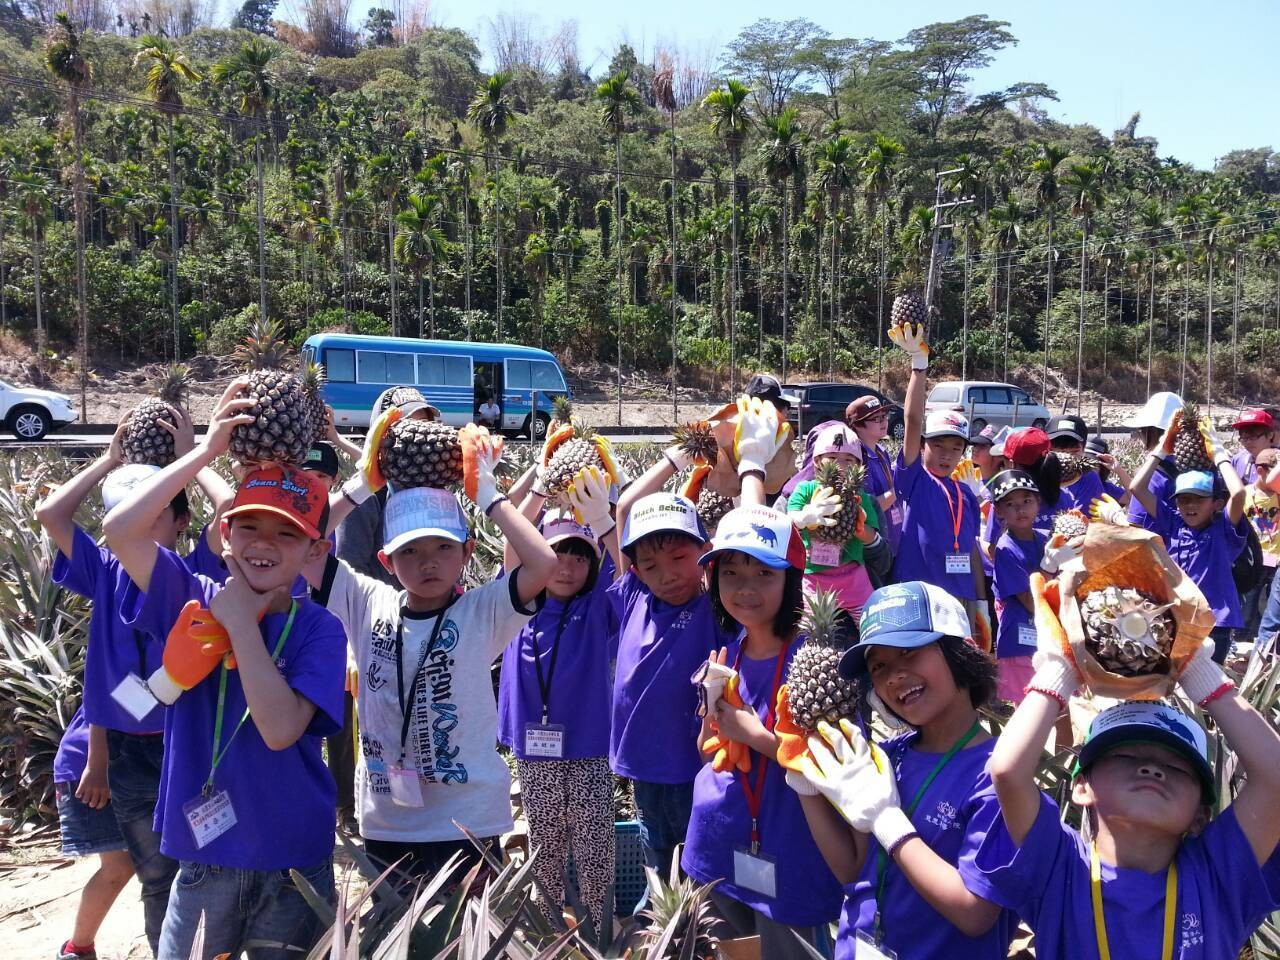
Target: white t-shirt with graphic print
x,y
452,736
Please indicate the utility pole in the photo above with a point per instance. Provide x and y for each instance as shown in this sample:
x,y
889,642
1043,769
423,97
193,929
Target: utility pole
x,y
934,267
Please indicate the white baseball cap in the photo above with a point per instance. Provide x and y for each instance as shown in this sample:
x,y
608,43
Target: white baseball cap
x,y
1148,721
946,423
662,513
564,527
1157,412
997,445
121,481
760,532
422,512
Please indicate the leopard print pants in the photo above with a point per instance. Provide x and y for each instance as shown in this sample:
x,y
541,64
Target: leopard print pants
x,y
569,805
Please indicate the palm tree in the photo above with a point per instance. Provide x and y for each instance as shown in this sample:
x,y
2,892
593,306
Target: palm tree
x,y
1044,173
1151,219
665,96
731,123
492,113
781,153
420,245
33,197
166,71
1266,247
384,179
835,176
252,82
1005,235
618,100
1084,196
877,182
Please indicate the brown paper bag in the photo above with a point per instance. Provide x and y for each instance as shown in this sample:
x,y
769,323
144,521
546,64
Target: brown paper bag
x,y
724,475
1135,558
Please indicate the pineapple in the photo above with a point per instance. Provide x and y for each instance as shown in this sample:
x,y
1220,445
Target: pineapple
x,y
847,485
909,305
420,453
815,689
697,441
570,449
1072,467
711,506
1127,632
1069,524
287,407
144,439
1189,449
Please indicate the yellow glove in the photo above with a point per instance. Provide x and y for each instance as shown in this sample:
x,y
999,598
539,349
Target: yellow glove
x,y
1106,509
911,339
759,434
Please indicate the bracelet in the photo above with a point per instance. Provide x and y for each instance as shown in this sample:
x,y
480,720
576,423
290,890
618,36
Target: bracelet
x,y
347,497
900,841
1221,691
488,511
1031,688
751,473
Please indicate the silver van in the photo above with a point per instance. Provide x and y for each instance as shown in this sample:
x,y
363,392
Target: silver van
x,y
987,402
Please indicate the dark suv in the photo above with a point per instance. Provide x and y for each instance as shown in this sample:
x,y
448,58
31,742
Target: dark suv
x,y
827,401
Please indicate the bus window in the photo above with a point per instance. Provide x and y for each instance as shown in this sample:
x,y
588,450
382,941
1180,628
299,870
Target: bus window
x,y
371,367
340,366
442,371
545,376
517,374
400,368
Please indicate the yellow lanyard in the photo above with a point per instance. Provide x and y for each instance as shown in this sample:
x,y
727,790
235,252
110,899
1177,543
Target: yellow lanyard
x,y
1100,925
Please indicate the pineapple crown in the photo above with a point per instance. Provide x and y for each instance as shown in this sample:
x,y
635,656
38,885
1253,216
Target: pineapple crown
x,y
173,385
263,349
561,408
697,441
312,377
825,623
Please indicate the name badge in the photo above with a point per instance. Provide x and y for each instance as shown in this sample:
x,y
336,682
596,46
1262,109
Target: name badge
x,y
755,871
1027,635
133,694
406,788
865,948
824,554
958,562
895,515
544,740
209,817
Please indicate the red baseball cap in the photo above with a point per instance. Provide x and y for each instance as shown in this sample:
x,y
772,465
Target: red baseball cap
x,y
1024,447
297,495
1255,418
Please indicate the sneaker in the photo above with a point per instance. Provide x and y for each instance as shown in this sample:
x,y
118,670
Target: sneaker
x,y
66,953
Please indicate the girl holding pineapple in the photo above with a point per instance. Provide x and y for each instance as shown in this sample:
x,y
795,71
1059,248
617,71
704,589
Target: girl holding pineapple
x,y
838,520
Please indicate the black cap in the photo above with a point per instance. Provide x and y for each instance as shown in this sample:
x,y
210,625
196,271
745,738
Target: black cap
x,y
767,387
1068,426
1097,445
323,458
1007,481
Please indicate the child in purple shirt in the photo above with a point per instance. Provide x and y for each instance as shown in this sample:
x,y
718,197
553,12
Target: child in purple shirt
x,y
869,418
1017,555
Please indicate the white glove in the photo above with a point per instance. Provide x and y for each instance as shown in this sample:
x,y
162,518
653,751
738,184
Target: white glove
x,y
759,435
858,780
967,472
1055,675
680,460
356,488
713,678
1201,678
486,486
819,511
1216,443
911,339
1059,551
801,784
1108,510
588,494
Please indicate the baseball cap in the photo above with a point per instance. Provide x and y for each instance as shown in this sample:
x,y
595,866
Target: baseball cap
x,y
564,527
767,387
836,438
984,437
121,481
904,615
409,399
1024,447
287,491
1148,721
1007,481
1157,412
1096,444
1255,418
417,512
1069,426
662,513
866,407
997,444
946,423
1199,482
759,532
322,458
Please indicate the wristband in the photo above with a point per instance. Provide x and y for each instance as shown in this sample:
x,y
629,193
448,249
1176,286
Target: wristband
x,y
1053,695
500,498
356,490
751,470
1055,677
1203,680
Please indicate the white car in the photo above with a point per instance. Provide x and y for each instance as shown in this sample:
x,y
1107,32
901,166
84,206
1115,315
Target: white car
x,y
987,402
29,414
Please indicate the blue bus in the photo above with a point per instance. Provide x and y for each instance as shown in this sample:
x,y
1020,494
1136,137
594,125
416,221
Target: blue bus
x,y
454,376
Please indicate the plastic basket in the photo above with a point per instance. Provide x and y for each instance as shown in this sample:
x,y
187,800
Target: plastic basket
x,y
629,881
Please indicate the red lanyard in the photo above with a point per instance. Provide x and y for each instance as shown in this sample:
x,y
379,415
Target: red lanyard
x,y
957,516
755,796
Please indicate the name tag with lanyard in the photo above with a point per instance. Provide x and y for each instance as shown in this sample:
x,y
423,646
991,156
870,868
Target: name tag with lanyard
x,y
406,782
545,740
132,693
824,554
753,870
958,561
212,814
1100,923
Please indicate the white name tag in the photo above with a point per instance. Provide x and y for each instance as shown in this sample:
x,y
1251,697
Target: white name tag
x,y
135,696
209,817
824,554
895,515
864,948
406,788
958,562
544,740
1027,634
755,871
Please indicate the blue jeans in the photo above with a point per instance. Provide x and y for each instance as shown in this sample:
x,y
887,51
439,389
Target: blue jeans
x,y
664,810
259,912
1270,623
133,774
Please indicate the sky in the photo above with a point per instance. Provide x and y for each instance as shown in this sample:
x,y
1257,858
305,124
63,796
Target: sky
x,y
1201,74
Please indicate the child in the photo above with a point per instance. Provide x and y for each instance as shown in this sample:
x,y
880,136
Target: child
x,y
1067,438
1256,431
833,566
553,704
88,827
427,716
940,531
667,630
1027,450
1148,427
1108,467
1202,537
117,652
1018,554
869,418
906,888
1154,876
244,795
747,832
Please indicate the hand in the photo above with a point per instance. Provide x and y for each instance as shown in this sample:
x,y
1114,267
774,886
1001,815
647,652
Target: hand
x,y
588,495
1171,433
330,425
759,435
1107,509
1059,551
195,646
866,535
1201,678
801,784
353,678
115,449
369,467
967,473
738,721
229,414
1056,674
182,430
1216,443
712,677
911,340
92,790
979,624
859,781
237,606
820,511
486,486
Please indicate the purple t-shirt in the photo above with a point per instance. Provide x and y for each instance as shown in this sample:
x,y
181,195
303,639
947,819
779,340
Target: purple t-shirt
x,y
73,750
1081,494
660,646
808,893
1242,460
1016,560
115,650
1205,556
1113,490
879,481
952,817
1161,488
928,530
205,562
1223,894
580,689
993,529
284,800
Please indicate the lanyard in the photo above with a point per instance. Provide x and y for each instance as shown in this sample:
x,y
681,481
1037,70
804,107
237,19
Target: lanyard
x,y
1100,925
217,754
407,700
882,858
755,795
544,684
957,514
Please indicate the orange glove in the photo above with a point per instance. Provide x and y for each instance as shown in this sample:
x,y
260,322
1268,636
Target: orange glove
x,y
728,754
1171,434
194,648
